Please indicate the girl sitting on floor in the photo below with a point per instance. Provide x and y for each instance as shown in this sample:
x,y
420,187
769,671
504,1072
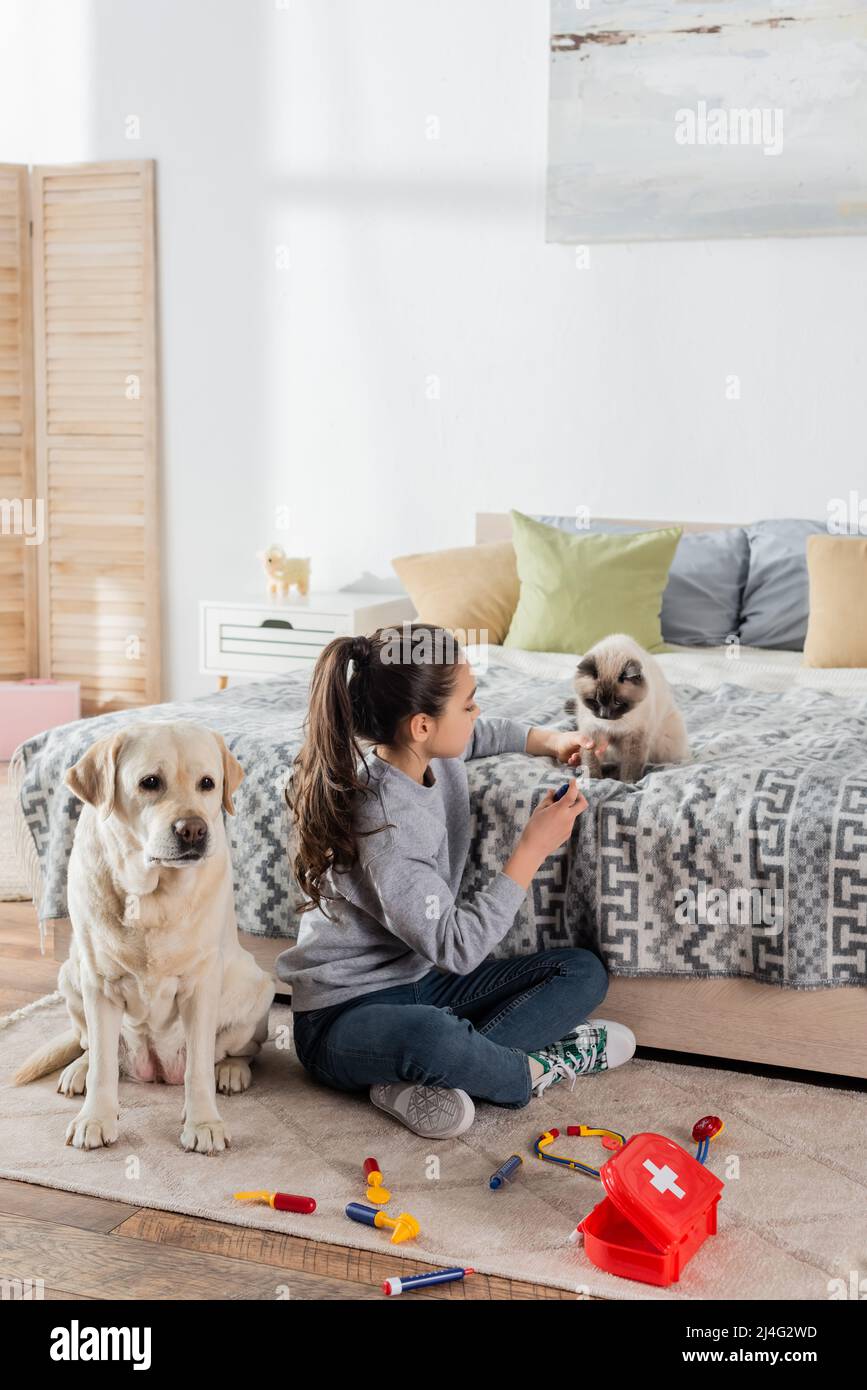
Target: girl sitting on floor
x,y
392,988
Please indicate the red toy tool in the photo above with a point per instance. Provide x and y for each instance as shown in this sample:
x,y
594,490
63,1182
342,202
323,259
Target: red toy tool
x,y
280,1201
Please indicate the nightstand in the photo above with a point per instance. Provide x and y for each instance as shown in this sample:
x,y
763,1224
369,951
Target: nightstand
x,y
268,637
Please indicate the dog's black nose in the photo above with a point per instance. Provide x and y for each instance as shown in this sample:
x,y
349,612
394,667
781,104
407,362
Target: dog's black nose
x,y
192,830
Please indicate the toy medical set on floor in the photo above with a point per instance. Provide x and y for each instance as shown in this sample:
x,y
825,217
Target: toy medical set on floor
x,y
660,1204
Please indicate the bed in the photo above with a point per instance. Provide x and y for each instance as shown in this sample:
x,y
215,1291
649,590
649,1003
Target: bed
x,y
772,806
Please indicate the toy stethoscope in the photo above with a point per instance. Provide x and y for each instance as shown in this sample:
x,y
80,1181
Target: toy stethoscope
x,y
703,1131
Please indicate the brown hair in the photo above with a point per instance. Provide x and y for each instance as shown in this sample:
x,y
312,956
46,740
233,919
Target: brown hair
x,y
345,710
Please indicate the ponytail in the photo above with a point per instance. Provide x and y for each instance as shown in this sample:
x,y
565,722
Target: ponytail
x,y
348,710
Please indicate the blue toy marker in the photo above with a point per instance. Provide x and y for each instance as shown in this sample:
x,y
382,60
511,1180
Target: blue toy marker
x,y
422,1281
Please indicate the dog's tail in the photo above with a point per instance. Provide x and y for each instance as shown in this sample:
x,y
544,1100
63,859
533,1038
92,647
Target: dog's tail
x,y
54,1054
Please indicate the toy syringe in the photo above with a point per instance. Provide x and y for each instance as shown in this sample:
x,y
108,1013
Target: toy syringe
x,y
506,1171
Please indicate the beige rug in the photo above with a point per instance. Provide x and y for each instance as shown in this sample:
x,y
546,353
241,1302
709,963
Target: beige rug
x,y
795,1218
13,888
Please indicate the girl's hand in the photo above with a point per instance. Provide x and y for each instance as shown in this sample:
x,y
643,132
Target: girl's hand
x,y
551,823
549,827
567,747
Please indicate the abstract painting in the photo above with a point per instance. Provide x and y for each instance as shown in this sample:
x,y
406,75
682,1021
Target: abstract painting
x,y
706,118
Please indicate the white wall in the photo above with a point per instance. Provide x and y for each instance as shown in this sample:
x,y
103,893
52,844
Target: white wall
x,y
305,124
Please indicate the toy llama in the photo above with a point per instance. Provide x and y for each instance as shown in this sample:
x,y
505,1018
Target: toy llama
x,y
283,571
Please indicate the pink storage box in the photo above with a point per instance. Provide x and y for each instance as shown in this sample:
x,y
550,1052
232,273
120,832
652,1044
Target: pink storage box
x,y
31,706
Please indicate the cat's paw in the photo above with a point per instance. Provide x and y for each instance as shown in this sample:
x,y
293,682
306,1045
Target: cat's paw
x,y
631,775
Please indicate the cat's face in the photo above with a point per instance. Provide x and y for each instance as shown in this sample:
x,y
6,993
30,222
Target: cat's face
x,y
610,686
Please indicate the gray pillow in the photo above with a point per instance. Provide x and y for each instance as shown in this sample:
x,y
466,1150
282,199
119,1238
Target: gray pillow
x,y
776,602
701,604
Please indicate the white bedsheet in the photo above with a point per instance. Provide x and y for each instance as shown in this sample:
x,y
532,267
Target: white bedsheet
x,y
705,667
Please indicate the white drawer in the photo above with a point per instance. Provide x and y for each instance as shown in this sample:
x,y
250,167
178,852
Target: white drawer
x,y
273,641
237,639
298,620
250,639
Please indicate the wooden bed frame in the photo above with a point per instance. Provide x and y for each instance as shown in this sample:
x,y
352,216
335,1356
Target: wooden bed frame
x,y
822,1030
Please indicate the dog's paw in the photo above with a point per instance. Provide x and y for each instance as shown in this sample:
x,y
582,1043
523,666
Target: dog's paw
x,y
73,1079
232,1075
91,1130
205,1136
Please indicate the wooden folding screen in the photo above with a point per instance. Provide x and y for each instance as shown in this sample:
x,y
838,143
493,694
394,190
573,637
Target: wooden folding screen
x,y
19,514
95,412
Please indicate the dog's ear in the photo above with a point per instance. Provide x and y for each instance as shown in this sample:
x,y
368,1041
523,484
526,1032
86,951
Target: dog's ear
x,y
233,774
92,778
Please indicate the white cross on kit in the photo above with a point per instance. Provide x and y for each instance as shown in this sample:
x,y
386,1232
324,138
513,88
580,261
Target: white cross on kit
x,y
664,1179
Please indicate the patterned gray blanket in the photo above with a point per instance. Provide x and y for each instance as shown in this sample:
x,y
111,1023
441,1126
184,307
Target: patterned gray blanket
x,y
751,860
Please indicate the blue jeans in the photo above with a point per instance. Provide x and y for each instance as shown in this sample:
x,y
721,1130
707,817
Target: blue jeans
x,y
469,1031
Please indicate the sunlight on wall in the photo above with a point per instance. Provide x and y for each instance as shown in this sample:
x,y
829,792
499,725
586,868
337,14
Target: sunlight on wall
x,y
45,72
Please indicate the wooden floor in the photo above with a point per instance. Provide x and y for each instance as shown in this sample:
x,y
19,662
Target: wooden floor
x,y
86,1247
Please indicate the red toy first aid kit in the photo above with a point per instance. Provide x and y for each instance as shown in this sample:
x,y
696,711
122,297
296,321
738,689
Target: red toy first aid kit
x,y
660,1206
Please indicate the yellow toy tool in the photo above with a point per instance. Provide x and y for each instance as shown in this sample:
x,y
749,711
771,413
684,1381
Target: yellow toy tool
x,y
403,1227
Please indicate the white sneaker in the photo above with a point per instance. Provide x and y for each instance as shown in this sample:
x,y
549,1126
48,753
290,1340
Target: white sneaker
x,y
594,1046
435,1112
620,1042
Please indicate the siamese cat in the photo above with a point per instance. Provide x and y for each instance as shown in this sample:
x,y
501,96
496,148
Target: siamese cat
x,y
623,695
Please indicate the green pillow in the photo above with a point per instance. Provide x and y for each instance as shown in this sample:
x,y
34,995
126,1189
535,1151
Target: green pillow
x,y
576,589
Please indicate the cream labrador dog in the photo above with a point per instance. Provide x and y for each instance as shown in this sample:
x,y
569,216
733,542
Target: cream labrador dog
x,y
157,984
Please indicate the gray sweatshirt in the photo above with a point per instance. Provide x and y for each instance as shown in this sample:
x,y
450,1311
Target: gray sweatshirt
x,y
395,915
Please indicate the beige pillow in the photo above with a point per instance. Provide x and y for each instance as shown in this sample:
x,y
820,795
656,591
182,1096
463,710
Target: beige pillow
x,y
836,631
471,590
